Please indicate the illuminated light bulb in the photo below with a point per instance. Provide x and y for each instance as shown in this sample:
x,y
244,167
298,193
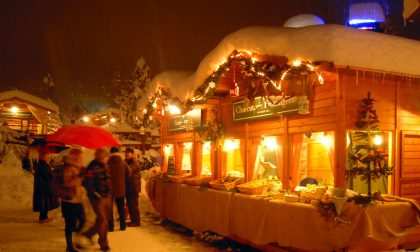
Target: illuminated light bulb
x,y
85,119
154,105
174,110
230,144
145,111
325,140
112,120
14,109
378,140
150,118
297,63
270,143
167,149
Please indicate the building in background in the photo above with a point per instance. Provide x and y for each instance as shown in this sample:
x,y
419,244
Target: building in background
x,y
26,112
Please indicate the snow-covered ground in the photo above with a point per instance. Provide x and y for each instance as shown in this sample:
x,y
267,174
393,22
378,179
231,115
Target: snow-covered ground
x,y
19,230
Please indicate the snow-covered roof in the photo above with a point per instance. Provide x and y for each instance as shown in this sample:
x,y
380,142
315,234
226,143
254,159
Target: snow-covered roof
x,y
344,46
46,104
119,128
106,112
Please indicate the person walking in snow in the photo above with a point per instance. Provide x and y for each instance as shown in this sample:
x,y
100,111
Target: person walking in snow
x,y
71,206
44,199
97,181
133,188
119,175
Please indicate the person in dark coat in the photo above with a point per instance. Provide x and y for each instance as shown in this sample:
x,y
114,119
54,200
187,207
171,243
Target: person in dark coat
x,y
97,181
44,199
133,188
119,174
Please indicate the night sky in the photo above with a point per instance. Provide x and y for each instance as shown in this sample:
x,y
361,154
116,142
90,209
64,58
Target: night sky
x,y
83,43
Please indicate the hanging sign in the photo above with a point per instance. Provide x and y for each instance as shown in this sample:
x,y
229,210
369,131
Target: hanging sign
x,y
185,122
260,109
19,114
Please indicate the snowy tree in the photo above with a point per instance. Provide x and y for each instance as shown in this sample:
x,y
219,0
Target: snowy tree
x,y
130,91
53,122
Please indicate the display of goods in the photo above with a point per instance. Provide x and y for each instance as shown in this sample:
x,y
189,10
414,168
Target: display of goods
x,y
254,188
225,184
197,180
179,178
291,198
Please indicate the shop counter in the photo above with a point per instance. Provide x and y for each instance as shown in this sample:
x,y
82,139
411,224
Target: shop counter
x,y
296,225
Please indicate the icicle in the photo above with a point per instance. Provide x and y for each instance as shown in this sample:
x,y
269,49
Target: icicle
x,y
357,78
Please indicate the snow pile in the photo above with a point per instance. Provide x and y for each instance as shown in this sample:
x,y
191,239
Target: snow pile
x,y
333,43
16,184
119,128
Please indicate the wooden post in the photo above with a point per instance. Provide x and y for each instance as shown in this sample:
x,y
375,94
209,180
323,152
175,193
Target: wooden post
x,y
340,136
286,154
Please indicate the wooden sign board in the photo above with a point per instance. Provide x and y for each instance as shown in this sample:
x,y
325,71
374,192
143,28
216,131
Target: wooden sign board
x,y
260,109
19,114
183,122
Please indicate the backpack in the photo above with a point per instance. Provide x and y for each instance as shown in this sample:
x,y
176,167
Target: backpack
x,y
58,188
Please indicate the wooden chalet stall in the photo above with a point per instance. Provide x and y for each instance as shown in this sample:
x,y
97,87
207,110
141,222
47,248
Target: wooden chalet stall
x,y
292,109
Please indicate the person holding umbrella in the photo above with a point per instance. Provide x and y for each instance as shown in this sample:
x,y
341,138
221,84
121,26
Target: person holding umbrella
x,y
44,199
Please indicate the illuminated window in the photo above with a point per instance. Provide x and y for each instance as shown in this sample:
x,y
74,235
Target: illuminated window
x,y
206,159
266,162
313,157
186,157
234,164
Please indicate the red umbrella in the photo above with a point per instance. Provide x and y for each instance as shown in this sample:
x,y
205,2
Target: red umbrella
x,y
87,136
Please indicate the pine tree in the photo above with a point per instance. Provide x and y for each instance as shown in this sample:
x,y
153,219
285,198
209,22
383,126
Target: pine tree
x,y
368,160
130,91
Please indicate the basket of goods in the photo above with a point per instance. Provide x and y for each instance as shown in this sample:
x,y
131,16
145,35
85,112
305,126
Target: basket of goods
x,y
197,180
179,178
225,184
314,192
254,188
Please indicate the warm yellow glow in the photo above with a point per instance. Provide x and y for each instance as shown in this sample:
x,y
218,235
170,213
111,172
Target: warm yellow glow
x,y
230,144
378,140
206,146
144,111
154,105
188,146
85,119
270,142
14,109
167,149
112,120
174,110
325,140
297,63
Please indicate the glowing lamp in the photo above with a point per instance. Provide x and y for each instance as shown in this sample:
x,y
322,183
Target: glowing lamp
x,y
85,119
230,144
167,149
378,140
366,16
270,142
174,110
188,146
325,140
297,63
112,120
14,109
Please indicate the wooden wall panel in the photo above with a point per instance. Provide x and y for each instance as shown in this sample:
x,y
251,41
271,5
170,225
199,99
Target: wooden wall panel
x,y
409,175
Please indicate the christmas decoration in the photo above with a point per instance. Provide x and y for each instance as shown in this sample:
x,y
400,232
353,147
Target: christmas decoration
x,y
53,122
260,74
171,166
368,158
